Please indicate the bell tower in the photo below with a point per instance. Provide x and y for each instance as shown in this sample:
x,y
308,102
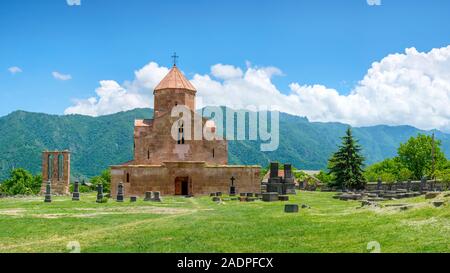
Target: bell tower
x,y
173,90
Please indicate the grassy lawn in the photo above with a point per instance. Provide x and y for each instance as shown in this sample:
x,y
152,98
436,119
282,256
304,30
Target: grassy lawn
x,y
199,225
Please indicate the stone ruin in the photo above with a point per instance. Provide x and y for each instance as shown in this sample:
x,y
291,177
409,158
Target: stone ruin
x,y
56,171
279,184
394,191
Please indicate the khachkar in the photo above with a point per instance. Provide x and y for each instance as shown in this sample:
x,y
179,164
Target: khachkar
x,y
48,192
56,169
76,191
281,185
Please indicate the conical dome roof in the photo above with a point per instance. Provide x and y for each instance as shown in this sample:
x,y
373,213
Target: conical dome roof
x,y
175,80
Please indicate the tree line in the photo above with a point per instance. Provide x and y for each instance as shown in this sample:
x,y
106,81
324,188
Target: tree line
x,y
22,182
421,156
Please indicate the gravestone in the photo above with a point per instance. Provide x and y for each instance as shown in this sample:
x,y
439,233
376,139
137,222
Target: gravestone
x,y
76,191
283,197
288,180
156,196
249,194
379,184
216,199
431,195
99,193
148,196
119,197
422,184
438,203
243,194
291,208
48,193
212,194
133,199
270,196
273,169
219,193
232,187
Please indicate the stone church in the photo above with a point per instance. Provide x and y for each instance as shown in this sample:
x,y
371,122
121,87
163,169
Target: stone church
x,y
181,166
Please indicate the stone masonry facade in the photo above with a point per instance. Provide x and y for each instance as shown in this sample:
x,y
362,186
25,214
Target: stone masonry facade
x,y
179,166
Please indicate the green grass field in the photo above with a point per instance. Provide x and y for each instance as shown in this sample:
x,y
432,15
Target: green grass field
x,y
181,224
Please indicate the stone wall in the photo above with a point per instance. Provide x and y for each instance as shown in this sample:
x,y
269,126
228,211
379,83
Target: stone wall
x,y
430,185
56,171
153,144
203,178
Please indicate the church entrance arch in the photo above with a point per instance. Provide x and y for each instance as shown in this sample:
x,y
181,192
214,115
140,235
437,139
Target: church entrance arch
x,y
182,185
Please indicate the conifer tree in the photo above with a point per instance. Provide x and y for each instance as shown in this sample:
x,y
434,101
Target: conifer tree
x,y
347,163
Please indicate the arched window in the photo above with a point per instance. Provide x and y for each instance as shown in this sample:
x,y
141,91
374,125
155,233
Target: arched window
x,y
213,152
148,154
60,166
128,177
50,166
180,133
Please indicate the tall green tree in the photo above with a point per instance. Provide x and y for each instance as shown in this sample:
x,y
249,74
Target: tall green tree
x,y
347,164
389,170
21,182
104,178
417,155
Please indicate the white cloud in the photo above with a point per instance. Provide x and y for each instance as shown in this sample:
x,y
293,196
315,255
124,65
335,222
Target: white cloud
x,y
61,77
226,72
73,2
409,88
374,2
14,70
113,97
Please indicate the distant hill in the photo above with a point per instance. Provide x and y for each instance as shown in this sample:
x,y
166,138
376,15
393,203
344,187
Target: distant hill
x,y
97,142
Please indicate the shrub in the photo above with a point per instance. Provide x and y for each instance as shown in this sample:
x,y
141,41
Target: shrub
x,y
21,182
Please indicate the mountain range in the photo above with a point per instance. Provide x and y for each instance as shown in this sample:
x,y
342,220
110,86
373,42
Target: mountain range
x,y
98,142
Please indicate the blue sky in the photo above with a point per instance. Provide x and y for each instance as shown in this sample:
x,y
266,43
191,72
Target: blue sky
x,y
332,43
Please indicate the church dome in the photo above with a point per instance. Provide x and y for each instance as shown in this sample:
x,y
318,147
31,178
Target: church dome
x,y
175,80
